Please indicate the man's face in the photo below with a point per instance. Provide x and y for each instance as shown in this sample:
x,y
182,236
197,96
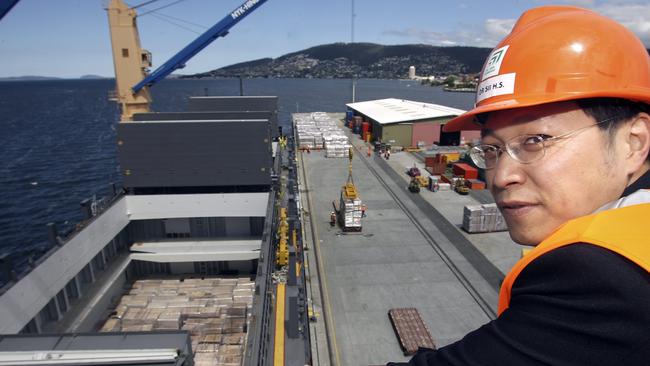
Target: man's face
x,y
576,176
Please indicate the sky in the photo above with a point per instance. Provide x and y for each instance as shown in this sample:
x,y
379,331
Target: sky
x,y
70,38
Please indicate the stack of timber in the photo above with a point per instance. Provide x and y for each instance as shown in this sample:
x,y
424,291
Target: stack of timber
x,y
410,330
483,218
215,312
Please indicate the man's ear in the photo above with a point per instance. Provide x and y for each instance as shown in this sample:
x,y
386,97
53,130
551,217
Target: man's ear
x,y
637,138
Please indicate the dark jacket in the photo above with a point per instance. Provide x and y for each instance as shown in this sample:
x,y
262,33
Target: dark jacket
x,y
576,305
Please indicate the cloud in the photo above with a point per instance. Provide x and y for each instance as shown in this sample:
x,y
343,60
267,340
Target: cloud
x,y
422,36
498,28
485,35
581,3
636,17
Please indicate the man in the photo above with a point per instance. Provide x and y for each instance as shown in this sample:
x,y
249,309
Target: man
x,y
563,107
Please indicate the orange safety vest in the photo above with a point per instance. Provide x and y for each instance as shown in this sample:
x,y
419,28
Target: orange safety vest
x,y
625,231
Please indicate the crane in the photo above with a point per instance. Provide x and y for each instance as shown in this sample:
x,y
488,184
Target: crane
x,y
132,63
6,6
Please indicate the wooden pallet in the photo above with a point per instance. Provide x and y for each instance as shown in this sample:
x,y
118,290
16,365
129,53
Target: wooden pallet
x,y
348,229
410,330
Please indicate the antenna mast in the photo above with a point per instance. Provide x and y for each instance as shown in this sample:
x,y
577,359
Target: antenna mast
x,y
354,82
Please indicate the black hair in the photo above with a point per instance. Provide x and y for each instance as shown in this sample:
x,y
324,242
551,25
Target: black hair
x,y
615,110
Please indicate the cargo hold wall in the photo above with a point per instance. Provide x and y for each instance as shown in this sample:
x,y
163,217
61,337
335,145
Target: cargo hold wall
x,y
238,103
195,153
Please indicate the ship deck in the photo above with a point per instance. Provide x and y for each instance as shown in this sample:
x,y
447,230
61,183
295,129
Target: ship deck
x,y
411,252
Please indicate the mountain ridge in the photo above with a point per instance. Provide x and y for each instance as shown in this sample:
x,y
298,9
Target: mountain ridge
x,y
360,60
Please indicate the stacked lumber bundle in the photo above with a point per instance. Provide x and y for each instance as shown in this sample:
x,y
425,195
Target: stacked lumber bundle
x,y
411,330
214,311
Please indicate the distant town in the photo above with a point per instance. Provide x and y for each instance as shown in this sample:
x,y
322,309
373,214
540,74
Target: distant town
x,y
454,67
454,82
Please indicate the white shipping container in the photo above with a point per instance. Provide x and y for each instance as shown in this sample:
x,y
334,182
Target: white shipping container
x,y
444,186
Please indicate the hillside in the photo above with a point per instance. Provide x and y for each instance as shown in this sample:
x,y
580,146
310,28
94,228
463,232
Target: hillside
x,y
361,60
28,78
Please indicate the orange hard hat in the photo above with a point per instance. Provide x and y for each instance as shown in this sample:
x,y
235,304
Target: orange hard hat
x,y
559,53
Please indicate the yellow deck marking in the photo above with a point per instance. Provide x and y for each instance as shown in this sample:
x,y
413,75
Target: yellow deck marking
x,y
278,353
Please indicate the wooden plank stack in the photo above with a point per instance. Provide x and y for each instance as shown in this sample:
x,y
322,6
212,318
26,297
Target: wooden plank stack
x,y
411,330
215,312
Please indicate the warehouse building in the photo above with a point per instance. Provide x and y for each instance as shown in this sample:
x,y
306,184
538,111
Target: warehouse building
x,y
409,123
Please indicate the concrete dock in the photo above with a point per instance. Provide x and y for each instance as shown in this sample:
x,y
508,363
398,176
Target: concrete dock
x,y
410,253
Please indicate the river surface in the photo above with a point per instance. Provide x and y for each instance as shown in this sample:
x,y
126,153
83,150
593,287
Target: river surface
x,y
58,139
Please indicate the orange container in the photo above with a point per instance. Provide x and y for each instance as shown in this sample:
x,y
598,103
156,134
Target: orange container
x,y
475,184
464,170
437,163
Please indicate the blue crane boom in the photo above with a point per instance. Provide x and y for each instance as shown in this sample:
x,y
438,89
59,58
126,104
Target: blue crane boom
x,y
218,30
6,6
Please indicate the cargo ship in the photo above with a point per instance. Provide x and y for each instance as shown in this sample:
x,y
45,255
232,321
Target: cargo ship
x,y
219,247
195,259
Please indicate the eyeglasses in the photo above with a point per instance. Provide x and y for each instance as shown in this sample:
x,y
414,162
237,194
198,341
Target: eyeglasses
x,y
525,149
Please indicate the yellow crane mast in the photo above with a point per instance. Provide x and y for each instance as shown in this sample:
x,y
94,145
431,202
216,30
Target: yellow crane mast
x,y
131,62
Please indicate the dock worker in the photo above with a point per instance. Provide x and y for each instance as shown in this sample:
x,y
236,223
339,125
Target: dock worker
x,y
563,107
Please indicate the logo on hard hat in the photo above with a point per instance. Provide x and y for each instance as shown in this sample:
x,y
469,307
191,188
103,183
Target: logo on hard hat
x,y
493,64
492,83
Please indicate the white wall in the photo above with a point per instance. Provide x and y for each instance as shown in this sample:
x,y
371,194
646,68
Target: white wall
x,y
197,205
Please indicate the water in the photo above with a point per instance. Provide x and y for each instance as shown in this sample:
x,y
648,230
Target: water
x,y
59,138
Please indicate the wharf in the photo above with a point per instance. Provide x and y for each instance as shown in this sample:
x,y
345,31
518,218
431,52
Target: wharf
x,y
410,253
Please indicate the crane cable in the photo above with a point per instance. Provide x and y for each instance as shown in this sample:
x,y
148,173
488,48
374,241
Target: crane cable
x,y
160,17
181,20
162,7
144,3
170,19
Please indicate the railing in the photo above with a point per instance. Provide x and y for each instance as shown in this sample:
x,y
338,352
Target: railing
x,y
259,335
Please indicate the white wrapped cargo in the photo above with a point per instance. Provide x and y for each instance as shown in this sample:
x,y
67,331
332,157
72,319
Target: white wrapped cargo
x,y
305,141
351,212
483,218
319,130
444,186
